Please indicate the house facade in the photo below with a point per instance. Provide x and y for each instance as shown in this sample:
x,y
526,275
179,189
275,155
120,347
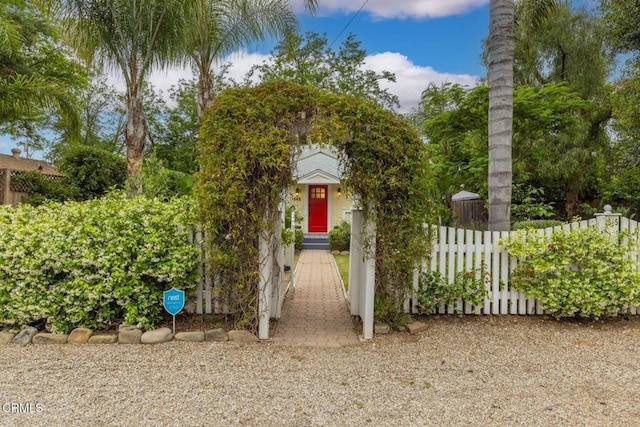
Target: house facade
x,y
317,193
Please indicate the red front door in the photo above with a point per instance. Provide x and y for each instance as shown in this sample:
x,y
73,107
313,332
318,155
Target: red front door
x,y
318,208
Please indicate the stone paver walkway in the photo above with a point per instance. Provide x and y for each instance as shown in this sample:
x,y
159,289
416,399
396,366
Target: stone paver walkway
x,y
316,314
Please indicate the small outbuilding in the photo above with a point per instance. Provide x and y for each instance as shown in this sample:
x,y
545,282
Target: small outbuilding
x,y
467,208
12,191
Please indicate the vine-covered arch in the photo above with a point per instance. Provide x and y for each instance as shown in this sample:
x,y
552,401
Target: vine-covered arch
x,y
248,146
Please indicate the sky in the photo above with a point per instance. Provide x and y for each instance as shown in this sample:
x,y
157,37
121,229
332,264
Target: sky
x,y
421,41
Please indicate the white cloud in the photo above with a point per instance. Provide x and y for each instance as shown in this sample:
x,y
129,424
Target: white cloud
x,y
412,79
386,9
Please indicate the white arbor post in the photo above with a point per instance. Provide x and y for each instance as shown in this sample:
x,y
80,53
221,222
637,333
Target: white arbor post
x,y
362,268
265,260
278,266
292,252
368,296
356,261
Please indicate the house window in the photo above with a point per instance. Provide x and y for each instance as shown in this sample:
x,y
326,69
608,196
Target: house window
x,y
318,193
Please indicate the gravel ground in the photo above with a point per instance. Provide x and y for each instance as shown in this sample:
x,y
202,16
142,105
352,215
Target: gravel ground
x,y
461,371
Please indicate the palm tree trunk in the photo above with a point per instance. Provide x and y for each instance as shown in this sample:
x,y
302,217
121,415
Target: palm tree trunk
x,y
501,46
135,135
205,91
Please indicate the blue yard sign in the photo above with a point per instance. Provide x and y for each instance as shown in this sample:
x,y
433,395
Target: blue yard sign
x,y
173,301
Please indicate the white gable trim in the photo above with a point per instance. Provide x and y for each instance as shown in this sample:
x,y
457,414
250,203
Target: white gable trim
x,y
318,176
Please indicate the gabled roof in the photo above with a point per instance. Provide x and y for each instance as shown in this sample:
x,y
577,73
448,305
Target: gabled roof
x,y
17,163
319,165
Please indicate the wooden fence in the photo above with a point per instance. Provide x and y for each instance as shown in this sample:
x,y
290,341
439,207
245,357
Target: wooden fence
x,y
458,250
13,190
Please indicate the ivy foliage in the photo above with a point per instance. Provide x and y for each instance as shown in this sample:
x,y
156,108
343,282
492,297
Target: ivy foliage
x,y
249,142
578,272
91,263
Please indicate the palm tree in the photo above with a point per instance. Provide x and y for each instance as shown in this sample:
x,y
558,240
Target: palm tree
x,y
501,46
221,26
25,91
134,38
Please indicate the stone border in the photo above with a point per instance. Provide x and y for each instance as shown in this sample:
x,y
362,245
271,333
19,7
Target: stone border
x,y
127,334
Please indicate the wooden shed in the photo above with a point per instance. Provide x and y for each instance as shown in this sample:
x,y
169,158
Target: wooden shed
x,y
467,209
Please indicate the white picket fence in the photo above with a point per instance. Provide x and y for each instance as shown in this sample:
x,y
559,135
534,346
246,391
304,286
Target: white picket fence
x,y
458,250
205,300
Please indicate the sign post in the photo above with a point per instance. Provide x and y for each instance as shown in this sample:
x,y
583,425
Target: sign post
x,y
173,301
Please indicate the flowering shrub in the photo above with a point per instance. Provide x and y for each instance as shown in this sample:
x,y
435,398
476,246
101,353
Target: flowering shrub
x,y
579,272
434,289
89,263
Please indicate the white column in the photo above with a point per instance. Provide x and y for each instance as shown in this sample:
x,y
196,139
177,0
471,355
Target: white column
x,y
355,262
265,260
369,283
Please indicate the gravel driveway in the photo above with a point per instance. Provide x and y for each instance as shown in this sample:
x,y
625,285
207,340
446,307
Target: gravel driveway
x,y
461,371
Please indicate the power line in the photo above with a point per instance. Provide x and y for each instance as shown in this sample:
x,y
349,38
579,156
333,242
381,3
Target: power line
x,y
349,23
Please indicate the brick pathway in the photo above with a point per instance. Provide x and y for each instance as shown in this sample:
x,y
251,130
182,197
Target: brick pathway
x,y
316,314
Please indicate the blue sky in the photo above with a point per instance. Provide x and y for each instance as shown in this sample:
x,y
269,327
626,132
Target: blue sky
x,y
421,41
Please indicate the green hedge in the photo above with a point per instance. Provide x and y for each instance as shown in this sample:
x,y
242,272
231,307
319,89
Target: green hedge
x,y
340,237
90,263
536,224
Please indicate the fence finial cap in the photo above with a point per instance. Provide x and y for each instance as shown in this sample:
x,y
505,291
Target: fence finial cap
x,y
607,209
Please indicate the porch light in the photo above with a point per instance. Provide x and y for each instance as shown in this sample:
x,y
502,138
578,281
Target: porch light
x,y
297,196
339,192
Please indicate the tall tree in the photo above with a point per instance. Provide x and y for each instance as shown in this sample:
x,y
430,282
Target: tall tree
x,y
133,37
220,27
569,47
501,47
309,60
500,55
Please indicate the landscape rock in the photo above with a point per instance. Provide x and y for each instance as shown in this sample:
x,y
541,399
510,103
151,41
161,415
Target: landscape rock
x,y
193,336
156,336
49,338
243,337
6,337
335,252
79,336
216,335
25,336
381,329
129,334
344,253
103,339
416,327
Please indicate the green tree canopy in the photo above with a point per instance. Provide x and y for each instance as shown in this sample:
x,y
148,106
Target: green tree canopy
x,y
309,60
39,79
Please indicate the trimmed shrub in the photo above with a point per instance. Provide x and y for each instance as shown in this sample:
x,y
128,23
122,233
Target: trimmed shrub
x,y
90,263
536,224
92,171
580,272
340,237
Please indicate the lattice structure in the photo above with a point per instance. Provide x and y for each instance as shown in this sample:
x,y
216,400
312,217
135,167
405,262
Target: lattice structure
x,y
19,184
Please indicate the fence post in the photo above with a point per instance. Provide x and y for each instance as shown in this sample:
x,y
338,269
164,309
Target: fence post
x,y
608,222
6,187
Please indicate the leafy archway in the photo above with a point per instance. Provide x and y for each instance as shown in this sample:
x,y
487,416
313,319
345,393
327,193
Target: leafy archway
x,y
249,143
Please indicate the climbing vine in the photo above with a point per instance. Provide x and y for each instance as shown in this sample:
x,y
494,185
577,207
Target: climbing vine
x,y
249,143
